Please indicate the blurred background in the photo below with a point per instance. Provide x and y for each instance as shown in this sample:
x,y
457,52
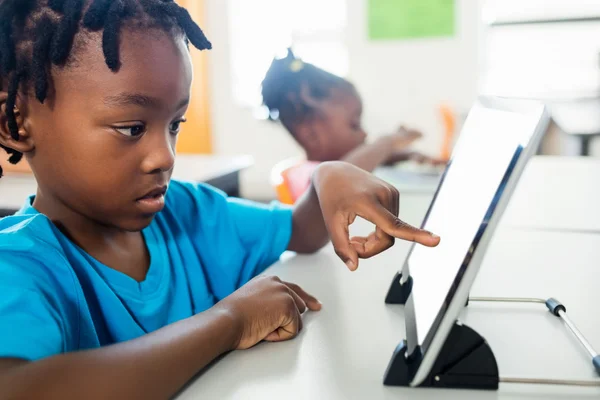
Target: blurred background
x,y
416,62
547,49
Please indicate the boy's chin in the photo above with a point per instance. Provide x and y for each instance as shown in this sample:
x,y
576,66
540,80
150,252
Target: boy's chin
x,y
137,224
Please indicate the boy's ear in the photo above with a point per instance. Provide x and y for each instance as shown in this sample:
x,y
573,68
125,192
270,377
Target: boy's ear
x,y
25,142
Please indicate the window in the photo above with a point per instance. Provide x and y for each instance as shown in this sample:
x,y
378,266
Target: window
x,y
556,59
263,29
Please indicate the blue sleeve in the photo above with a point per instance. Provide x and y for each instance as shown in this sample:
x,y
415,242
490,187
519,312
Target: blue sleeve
x,y
236,239
31,318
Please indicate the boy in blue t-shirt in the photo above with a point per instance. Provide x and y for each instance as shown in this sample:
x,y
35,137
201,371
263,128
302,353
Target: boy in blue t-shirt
x,y
112,286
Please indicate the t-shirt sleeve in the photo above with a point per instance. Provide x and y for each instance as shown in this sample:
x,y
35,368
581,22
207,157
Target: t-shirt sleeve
x,y
31,326
236,239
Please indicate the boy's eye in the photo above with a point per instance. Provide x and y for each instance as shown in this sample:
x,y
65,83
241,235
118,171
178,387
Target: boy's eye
x,y
131,131
176,126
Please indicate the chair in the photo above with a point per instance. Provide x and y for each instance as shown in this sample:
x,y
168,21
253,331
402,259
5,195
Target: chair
x,y
291,178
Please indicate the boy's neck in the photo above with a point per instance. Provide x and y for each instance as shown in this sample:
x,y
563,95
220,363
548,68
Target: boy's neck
x,y
92,236
113,247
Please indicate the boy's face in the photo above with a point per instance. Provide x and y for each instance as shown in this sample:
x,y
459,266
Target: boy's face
x,y
104,142
336,129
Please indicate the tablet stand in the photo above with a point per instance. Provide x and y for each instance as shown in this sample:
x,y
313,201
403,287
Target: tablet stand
x,y
466,361
398,292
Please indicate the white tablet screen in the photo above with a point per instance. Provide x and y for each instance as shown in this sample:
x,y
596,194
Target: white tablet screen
x,y
489,141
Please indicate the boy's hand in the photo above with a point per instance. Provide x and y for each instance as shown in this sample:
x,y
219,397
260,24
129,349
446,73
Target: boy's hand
x,y
268,309
345,192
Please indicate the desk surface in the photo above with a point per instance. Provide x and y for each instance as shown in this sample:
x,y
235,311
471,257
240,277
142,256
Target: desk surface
x,y
554,193
15,188
344,349
557,193
410,180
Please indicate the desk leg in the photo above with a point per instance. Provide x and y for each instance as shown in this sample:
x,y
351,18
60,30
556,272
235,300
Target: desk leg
x,y
585,145
6,213
229,183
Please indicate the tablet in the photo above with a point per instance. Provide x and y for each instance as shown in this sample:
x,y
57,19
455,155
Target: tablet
x,y
498,137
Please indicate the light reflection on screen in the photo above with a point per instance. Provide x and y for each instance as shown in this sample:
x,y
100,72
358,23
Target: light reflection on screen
x,y
488,143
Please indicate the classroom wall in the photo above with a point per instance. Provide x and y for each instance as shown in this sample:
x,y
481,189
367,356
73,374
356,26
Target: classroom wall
x,y
195,136
400,82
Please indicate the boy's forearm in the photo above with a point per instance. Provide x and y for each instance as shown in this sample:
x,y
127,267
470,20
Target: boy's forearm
x,y
154,366
309,233
371,155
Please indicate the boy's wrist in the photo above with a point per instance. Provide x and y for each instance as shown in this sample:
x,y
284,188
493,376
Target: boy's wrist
x,y
323,170
229,323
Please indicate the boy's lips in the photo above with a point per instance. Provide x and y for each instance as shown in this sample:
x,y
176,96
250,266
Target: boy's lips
x,y
156,192
153,201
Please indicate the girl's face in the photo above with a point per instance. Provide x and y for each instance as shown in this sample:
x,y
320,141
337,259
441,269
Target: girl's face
x,y
103,144
335,129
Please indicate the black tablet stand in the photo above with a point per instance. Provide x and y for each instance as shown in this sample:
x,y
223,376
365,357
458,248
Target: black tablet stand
x,y
466,361
398,292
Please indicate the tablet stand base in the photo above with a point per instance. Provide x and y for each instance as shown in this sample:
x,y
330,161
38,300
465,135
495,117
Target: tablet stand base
x,y
398,292
466,361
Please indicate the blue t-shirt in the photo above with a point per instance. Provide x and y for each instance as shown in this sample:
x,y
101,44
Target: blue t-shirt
x,y
56,298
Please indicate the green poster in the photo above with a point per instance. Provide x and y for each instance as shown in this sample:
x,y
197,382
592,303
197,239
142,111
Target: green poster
x,y
409,19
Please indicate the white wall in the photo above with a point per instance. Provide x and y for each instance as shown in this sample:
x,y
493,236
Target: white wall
x,y
400,81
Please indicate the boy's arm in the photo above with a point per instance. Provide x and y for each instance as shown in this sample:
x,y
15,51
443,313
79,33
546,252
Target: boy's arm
x,y
157,365
338,194
154,366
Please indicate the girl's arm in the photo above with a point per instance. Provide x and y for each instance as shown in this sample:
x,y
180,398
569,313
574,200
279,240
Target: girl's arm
x,y
370,156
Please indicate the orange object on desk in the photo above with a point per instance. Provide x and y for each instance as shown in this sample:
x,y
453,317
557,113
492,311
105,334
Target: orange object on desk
x,y
449,121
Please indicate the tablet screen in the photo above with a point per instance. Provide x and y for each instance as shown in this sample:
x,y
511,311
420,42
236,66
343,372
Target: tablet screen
x,y
490,141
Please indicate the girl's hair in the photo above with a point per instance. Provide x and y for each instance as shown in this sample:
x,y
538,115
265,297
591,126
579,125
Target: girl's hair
x,y
36,34
289,81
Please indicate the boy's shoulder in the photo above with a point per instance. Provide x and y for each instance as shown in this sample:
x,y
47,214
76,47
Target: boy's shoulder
x,y
25,232
30,251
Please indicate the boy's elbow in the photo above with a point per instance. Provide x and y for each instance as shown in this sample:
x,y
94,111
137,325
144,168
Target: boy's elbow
x,y
313,246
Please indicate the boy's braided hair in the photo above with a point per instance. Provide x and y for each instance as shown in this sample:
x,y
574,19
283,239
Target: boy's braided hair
x,y
36,34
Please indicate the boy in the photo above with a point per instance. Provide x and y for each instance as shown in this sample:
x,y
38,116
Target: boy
x,y
116,282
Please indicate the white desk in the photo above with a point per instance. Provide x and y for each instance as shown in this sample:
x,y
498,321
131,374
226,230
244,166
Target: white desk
x,y
219,171
344,349
409,181
555,193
